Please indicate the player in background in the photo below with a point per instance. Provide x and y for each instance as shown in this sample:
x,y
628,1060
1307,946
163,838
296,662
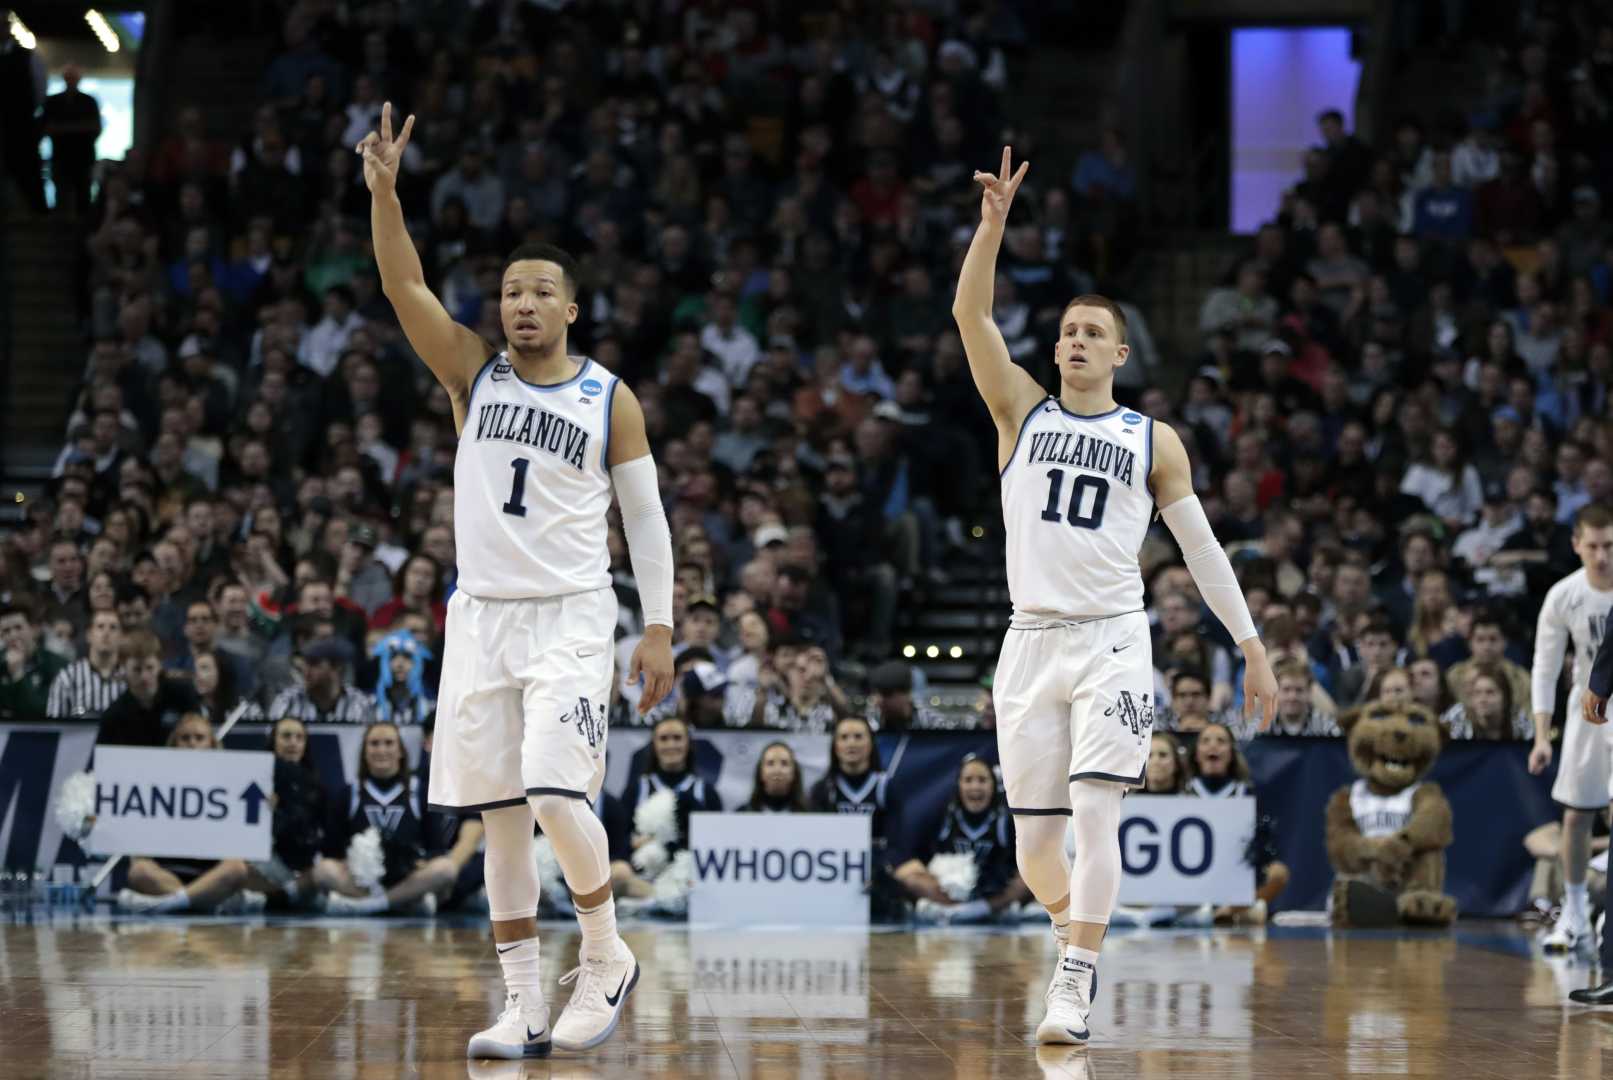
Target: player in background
x,y
1593,710
544,440
1575,610
1081,478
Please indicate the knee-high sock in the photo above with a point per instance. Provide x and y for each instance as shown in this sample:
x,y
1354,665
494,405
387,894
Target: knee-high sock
x,y
511,871
1095,876
580,845
1039,850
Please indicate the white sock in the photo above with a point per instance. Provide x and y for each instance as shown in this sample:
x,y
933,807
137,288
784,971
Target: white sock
x,y
1061,926
179,900
520,962
598,927
1576,903
1083,958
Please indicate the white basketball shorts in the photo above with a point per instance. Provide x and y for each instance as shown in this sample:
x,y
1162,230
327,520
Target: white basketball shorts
x,y
1075,701
1585,766
522,704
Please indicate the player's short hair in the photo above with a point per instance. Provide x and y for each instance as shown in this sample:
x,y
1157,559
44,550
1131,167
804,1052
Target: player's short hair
x,y
1094,300
547,253
1594,516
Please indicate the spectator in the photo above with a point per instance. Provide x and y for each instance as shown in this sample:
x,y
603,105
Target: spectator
x,y
1246,312
891,707
325,697
145,713
802,697
217,690
72,119
29,669
1190,702
400,692
1430,687
417,589
776,788
1487,709
1390,687
1377,647
1487,646
1297,714
170,886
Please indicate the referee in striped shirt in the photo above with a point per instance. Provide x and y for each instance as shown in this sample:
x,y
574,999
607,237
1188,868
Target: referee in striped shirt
x,y
86,687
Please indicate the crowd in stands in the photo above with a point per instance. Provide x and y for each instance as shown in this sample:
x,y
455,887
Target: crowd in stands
x,y
1396,413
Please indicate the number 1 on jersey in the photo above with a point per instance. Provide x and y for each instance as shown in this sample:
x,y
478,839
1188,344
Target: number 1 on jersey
x,y
518,488
1073,515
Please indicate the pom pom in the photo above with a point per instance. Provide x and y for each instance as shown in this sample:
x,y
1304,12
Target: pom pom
x,y
956,874
672,887
75,805
366,860
551,880
650,859
657,817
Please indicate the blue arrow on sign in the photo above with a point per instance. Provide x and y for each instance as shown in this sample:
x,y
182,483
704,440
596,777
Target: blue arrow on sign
x,y
254,797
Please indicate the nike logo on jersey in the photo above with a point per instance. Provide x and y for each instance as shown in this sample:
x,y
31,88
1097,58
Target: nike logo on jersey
x,y
1123,648
501,371
612,999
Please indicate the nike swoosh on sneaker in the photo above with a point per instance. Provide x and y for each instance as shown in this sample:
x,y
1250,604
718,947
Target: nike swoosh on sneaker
x,y
612,1000
533,1036
1083,1034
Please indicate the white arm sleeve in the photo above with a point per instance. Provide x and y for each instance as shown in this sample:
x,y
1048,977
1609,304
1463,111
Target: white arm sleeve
x,y
1208,563
1551,642
649,539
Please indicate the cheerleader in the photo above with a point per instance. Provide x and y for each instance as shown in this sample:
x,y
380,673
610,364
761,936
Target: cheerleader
x,y
776,788
1222,772
671,770
977,824
419,868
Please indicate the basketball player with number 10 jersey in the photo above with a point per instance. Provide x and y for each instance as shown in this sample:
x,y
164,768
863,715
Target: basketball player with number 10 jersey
x,y
1081,477
545,439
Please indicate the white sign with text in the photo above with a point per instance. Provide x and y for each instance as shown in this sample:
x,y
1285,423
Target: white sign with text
x,y
755,869
1184,850
198,804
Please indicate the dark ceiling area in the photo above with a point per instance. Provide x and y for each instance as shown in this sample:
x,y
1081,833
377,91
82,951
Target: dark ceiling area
x,y
63,20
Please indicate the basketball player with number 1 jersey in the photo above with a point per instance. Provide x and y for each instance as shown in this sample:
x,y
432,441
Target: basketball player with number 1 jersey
x,y
544,440
1081,478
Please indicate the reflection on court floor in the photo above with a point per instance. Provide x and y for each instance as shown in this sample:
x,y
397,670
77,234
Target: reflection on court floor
x,y
351,1000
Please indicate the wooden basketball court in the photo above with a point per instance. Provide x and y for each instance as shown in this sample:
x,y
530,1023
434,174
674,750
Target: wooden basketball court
x,y
326,999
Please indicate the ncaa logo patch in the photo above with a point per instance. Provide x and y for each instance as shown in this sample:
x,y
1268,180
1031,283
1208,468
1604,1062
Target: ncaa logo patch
x,y
1131,418
592,387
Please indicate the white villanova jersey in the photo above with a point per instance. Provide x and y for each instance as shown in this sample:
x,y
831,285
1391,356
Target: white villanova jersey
x,y
1076,506
1573,615
531,484
1380,815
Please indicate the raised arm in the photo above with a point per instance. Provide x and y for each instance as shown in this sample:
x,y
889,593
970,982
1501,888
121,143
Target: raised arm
x,y
1172,484
454,353
1008,389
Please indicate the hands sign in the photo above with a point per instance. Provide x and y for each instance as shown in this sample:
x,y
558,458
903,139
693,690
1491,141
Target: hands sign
x,y
999,190
382,153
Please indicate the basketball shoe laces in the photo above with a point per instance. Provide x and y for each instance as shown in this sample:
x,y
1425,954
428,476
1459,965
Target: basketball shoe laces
x,y
512,1010
1067,985
587,975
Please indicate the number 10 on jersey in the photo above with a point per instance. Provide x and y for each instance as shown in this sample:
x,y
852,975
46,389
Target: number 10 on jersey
x,y
1082,512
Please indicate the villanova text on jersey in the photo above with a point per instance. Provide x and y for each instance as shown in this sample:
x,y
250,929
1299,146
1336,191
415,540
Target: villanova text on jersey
x,y
534,427
1082,451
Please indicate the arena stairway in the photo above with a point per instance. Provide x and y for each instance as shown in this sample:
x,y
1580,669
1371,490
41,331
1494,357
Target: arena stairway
x,y
47,353
953,633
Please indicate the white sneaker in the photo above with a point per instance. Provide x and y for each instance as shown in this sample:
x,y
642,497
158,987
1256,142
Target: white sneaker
x,y
522,1031
245,902
137,903
1069,1001
1566,937
603,983
338,904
